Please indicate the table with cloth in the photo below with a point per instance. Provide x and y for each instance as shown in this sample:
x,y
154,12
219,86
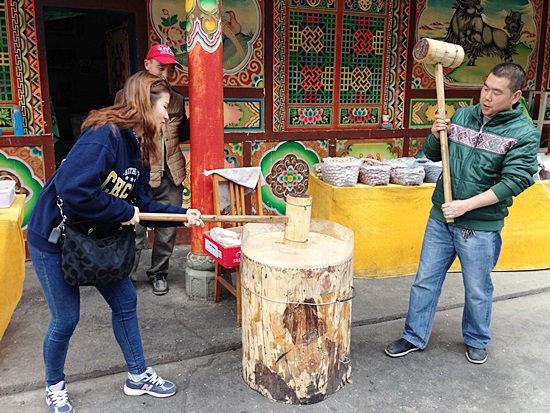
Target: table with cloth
x,y
12,259
389,223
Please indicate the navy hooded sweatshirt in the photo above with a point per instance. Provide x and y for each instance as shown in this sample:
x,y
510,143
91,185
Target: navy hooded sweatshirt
x,y
98,182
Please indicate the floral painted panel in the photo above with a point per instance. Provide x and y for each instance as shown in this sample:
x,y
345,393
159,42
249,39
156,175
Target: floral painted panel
x,y
285,167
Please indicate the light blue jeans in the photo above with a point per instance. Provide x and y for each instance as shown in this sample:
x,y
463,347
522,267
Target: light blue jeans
x,y
478,253
64,303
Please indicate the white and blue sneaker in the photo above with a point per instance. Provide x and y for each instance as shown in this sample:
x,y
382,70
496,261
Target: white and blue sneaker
x,y
57,398
151,384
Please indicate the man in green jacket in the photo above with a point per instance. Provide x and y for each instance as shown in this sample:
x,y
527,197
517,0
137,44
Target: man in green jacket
x,y
492,158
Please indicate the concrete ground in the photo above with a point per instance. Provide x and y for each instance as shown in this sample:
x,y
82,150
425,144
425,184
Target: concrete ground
x,y
197,345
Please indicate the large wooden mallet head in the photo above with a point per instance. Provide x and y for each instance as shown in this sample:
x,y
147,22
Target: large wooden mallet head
x,y
435,52
440,54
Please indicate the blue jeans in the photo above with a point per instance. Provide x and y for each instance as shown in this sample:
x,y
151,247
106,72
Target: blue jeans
x,y
478,253
64,303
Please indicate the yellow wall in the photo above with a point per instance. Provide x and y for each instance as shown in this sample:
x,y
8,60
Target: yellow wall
x,y
389,222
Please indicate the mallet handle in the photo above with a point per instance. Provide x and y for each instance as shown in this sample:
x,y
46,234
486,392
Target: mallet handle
x,y
272,219
440,90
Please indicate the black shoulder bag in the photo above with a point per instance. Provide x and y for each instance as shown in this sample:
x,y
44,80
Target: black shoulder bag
x,y
89,260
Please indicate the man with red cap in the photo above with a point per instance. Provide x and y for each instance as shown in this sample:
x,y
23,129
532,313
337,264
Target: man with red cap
x,y
168,173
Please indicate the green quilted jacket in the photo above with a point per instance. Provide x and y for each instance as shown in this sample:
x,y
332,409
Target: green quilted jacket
x,y
500,155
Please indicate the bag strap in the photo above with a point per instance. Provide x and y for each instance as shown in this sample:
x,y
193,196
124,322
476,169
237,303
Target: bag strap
x,y
64,218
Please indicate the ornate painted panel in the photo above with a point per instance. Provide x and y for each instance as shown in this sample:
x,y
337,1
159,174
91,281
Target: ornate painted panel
x,y
24,165
233,158
285,167
20,85
6,81
25,70
379,149
397,65
243,115
19,74
330,63
243,38
489,32
422,111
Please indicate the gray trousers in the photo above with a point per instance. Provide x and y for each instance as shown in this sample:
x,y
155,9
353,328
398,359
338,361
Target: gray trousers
x,y
165,238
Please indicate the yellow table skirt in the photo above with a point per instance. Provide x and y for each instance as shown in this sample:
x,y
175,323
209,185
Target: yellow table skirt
x,y
389,223
12,262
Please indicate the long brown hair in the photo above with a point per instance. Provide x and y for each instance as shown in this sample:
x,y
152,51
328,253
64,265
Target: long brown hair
x,y
140,94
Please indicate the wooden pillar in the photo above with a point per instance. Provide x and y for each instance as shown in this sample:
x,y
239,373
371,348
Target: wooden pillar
x,y
204,29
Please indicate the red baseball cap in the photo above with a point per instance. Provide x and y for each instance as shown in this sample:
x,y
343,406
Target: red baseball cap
x,y
163,54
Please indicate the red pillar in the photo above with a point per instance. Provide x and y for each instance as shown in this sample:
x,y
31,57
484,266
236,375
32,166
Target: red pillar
x,y
205,104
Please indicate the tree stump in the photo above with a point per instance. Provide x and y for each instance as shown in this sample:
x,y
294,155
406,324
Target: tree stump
x,y
296,311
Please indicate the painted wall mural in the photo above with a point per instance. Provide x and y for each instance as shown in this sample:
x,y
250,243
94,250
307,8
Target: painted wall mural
x,y
490,31
330,64
241,28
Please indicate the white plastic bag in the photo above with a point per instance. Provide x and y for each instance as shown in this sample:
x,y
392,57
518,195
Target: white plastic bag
x,y
225,236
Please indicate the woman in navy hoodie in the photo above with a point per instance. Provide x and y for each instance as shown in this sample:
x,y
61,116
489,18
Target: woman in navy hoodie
x,y
103,180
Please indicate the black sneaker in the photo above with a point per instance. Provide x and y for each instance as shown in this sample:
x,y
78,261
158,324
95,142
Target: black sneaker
x,y
476,355
160,285
400,348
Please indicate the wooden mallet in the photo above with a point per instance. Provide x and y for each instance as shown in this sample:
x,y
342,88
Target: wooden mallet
x,y
440,54
297,219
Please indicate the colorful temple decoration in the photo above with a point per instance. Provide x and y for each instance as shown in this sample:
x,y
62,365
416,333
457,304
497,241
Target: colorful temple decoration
x,y
379,150
7,89
26,66
502,33
243,115
330,64
423,110
397,80
25,166
336,65
285,167
241,28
